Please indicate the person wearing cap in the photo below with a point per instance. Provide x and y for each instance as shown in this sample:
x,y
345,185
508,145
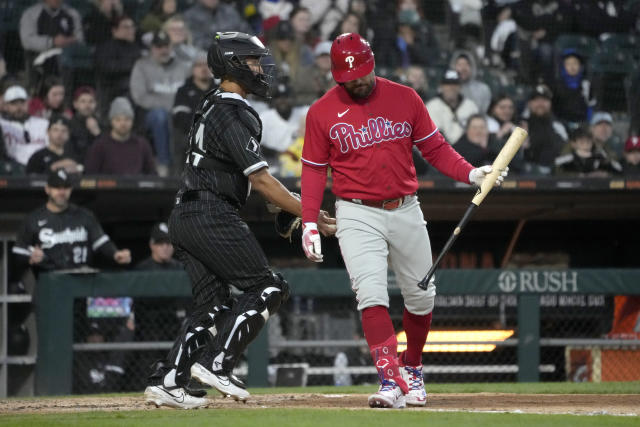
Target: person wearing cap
x,y
631,161
155,79
547,135
450,110
23,134
293,59
161,257
585,160
56,154
61,235
120,152
206,17
604,137
114,61
185,103
572,102
85,127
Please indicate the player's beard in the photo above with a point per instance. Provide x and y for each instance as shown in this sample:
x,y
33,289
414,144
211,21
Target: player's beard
x,y
60,202
362,91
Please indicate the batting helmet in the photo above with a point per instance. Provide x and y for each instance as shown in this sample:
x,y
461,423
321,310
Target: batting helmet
x,y
227,58
351,57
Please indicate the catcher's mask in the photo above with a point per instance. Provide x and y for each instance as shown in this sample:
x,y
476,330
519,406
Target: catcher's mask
x,y
227,57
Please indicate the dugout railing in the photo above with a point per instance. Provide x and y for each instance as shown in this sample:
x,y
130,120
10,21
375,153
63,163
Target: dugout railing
x,y
56,293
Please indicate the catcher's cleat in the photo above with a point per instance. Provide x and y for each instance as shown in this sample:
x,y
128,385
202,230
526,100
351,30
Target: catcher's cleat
x,y
173,397
388,396
417,395
227,384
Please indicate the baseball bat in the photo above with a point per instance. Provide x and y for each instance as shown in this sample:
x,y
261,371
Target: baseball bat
x,y
503,159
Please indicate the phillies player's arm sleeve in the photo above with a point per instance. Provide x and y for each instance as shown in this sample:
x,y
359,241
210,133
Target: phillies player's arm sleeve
x,y
315,160
99,241
432,145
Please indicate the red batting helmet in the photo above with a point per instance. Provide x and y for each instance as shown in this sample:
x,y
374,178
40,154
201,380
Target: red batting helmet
x,y
351,57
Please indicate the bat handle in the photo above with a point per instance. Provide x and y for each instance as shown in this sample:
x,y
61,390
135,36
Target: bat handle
x,y
424,283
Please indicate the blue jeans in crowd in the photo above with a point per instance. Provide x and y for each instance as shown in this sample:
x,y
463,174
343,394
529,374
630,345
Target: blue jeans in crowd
x,y
157,121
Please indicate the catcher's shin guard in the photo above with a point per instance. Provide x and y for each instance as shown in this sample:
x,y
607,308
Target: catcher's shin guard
x,y
248,315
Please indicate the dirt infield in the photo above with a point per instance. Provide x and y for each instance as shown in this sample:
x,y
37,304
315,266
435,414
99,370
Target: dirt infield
x,y
618,404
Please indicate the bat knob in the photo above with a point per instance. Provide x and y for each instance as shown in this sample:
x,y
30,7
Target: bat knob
x,y
423,284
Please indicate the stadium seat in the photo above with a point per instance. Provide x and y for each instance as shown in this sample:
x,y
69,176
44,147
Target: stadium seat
x,y
621,42
584,45
608,71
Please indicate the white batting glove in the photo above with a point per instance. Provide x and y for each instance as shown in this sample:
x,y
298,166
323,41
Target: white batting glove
x,y
476,176
311,241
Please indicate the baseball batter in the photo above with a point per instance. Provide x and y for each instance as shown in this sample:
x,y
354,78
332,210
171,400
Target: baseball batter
x,y
364,129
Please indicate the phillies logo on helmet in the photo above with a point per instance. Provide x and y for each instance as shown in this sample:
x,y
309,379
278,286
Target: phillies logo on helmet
x,y
350,60
376,131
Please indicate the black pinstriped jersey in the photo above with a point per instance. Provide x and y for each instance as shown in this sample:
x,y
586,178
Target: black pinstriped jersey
x,y
227,130
68,238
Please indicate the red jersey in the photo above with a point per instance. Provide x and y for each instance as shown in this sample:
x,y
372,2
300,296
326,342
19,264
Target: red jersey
x,y
368,143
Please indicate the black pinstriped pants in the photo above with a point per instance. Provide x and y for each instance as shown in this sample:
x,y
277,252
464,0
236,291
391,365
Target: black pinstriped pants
x,y
217,249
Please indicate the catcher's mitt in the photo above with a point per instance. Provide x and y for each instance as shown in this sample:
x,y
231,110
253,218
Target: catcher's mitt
x,y
287,222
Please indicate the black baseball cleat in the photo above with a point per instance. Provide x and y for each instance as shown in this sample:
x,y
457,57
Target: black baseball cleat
x,y
226,383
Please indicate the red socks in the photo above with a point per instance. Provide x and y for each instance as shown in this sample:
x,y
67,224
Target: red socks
x,y
383,344
417,328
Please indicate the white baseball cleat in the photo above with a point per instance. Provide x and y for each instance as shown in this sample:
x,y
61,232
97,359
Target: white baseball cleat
x,y
388,396
173,397
227,385
417,395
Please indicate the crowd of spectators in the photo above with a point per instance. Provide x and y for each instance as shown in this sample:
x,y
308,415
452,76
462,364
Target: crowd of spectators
x,y
110,86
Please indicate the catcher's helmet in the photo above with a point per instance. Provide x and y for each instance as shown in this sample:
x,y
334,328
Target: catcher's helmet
x,y
351,57
227,56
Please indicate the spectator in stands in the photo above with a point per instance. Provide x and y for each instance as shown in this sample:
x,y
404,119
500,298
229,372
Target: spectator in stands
x,y
8,166
120,152
631,161
415,42
180,38
206,17
49,100
98,21
415,77
539,23
633,98
472,88
154,82
293,60
280,123
350,23
546,134
450,109
185,104
318,76
161,257
60,235
501,117
46,25
504,41
598,17
300,19
23,134
114,62
603,136
325,15
477,145
572,91
85,127
160,12
584,160
56,154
